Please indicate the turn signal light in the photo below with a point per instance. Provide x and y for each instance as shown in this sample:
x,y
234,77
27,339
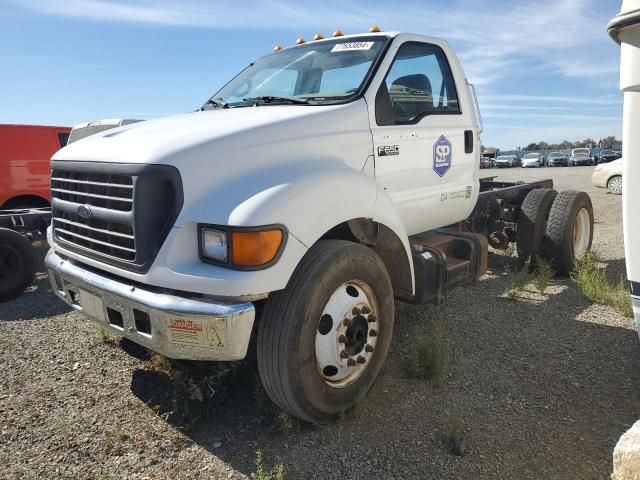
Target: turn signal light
x,y
338,33
374,29
300,41
277,48
253,249
318,36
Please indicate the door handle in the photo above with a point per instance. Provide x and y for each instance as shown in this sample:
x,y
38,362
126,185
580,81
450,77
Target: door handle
x,y
468,141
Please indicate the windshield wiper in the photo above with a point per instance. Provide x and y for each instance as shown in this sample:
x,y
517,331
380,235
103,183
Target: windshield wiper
x,y
218,102
271,99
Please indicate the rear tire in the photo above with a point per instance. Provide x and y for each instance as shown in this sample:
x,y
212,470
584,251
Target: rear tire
x,y
17,264
296,357
569,230
614,185
532,223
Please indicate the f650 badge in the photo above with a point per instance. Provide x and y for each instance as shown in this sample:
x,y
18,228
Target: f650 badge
x,y
387,150
442,152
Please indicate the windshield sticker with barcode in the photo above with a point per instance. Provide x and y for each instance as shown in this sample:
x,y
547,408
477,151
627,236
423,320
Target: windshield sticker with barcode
x,y
343,47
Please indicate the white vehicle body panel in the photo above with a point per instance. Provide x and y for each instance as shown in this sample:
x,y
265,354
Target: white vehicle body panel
x,y
626,29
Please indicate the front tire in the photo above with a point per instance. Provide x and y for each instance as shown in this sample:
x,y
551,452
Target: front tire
x,y
323,340
17,264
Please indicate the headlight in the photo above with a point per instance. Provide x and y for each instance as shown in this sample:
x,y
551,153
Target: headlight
x,y
245,248
213,244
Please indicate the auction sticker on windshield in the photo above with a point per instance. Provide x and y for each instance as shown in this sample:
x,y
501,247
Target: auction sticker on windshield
x,y
343,47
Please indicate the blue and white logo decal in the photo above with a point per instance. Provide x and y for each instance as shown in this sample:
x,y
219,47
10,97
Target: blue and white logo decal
x,y
442,156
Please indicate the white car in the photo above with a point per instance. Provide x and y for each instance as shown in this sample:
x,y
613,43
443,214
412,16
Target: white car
x,y
609,176
533,160
506,161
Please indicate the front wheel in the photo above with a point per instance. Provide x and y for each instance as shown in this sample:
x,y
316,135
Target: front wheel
x,y
323,340
17,264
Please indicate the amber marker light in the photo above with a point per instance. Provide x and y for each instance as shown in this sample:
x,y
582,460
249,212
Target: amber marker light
x,y
375,29
300,41
338,33
255,248
318,36
277,48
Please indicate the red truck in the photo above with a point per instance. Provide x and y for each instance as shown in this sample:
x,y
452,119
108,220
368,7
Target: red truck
x,y
25,151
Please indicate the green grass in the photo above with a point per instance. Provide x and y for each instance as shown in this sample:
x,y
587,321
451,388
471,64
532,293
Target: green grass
x,y
592,280
277,473
543,273
430,354
103,335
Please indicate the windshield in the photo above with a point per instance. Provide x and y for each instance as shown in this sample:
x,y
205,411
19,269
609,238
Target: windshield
x,y
531,155
555,154
327,71
502,157
581,151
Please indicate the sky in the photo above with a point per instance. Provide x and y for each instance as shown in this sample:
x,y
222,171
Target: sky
x,y
544,70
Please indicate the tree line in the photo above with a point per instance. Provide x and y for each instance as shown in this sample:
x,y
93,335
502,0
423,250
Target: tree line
x,y
604,143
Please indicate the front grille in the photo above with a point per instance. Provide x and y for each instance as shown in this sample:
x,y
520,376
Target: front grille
x,y
117,213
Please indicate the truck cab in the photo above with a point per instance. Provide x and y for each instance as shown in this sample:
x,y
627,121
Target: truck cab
x,y
323,181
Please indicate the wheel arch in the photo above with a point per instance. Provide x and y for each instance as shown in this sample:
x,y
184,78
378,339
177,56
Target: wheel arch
x,y
29,201
386,243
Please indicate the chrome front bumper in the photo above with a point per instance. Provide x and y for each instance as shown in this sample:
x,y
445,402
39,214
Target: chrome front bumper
x,y
176,327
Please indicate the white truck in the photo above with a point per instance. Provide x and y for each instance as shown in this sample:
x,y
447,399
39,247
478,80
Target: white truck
x,y
625,29
323,181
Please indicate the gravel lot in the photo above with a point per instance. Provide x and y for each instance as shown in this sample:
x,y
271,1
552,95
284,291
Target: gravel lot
x,y
544,386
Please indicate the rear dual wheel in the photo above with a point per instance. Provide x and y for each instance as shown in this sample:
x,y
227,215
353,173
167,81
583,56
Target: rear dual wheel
x,y
323,340
569,231
556,226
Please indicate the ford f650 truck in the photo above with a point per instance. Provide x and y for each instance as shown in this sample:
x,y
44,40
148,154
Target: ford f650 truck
x,y
322,182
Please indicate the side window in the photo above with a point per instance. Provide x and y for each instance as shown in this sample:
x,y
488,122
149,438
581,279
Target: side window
x,y
63,138
419,83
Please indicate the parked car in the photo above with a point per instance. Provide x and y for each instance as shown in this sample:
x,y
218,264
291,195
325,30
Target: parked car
x,y
24,163
606,156
581,156
555,159
507,161
533,160
487,162
609,176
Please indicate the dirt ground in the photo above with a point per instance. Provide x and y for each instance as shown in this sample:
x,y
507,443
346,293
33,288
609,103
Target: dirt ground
x,y
541,385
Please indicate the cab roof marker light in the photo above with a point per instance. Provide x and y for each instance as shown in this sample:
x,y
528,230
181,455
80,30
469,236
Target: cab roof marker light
x,y
300,41
374,29
277,48
318,36
338,33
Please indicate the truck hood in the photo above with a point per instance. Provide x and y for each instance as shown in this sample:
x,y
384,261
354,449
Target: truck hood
x,y
166,140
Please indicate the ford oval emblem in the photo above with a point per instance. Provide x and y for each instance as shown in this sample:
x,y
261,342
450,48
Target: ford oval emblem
x,y
84,211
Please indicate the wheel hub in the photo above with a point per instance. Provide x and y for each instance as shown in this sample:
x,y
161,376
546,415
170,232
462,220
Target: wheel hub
x,y
347,334
581,233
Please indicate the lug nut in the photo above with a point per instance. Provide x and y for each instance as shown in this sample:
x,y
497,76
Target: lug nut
x,y
372,318
344,354
368,348
366,310
351,362
347,322
373,333
355,311
361,359
342,339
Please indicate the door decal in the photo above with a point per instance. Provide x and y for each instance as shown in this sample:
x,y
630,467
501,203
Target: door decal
x,y
442,156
